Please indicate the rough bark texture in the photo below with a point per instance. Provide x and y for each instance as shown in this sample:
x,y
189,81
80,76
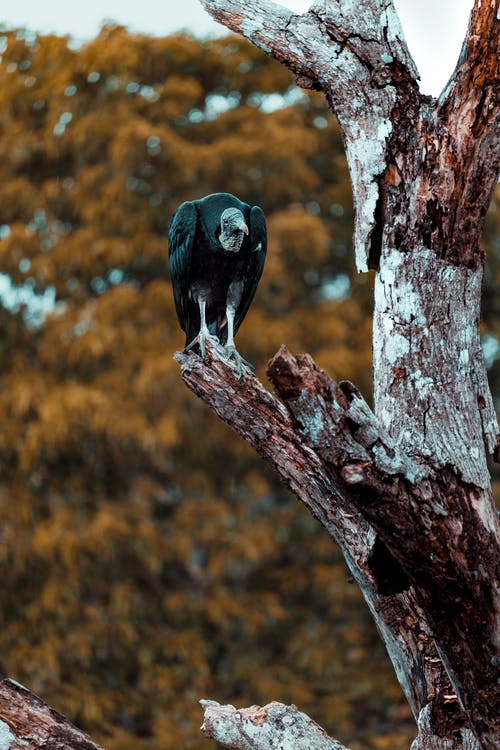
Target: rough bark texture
x,y
271,429
407,504
384,510
427,739
427,351
27,723
274,725
405,490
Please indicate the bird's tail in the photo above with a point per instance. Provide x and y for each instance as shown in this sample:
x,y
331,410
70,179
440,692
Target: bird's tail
x,y
221,331
192,327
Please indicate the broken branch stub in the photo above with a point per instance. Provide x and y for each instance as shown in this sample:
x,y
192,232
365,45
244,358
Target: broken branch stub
x,y
264,728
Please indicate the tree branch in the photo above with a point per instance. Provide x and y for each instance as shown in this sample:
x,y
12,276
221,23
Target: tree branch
x,y
405,503
469,108
271,27
27,723
359,59
264,728
331,451
477,64
288,441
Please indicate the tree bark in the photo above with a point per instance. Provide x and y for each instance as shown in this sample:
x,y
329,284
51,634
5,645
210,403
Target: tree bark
x,y
27,723
274,725
405,491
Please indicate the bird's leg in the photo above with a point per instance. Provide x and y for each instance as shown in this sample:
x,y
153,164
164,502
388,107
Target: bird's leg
x,y
204,333
231,351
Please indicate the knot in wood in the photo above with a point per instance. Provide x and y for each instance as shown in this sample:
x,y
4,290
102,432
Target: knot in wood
x,y
352,474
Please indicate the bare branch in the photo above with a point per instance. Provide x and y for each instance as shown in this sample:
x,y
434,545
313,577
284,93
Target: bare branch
x,y
265,728
331,451
271,27
477,65
263,421
470,108
27,723
289,443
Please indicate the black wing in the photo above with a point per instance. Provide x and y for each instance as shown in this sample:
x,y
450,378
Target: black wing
x,y
258,248
180,249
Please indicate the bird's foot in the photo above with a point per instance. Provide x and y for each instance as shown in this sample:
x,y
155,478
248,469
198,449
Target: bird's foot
x,y
233,355
200,341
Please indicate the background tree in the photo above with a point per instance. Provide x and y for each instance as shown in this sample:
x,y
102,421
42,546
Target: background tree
x,y
138,575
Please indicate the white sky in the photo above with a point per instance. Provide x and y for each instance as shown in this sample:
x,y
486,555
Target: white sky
x,y
434,29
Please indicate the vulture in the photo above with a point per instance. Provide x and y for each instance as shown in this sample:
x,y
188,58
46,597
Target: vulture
x,y
217,247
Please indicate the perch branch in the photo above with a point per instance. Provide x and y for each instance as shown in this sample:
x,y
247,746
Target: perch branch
x,y
264,728
273,431
27,723
331,451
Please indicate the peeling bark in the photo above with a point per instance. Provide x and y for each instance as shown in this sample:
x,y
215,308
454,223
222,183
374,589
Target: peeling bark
x,y
27,723
405,490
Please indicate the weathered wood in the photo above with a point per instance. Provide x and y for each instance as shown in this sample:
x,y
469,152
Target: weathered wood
x,y
427,355
27,723
427,739
468,151
443,531
262,727
413,475
291,440
359,59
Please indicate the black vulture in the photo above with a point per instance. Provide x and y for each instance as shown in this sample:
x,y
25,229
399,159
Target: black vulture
x,y
217,247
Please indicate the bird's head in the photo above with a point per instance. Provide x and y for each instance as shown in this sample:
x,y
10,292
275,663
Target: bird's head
x,y
233,227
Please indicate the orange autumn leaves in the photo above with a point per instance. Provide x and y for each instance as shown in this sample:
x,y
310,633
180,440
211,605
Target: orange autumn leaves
x,y
148,558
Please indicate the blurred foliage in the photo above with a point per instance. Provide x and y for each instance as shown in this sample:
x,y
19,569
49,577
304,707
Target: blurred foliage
x,y
148,558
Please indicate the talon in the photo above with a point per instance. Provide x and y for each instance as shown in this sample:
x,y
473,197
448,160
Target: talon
x,y
233,354
200,341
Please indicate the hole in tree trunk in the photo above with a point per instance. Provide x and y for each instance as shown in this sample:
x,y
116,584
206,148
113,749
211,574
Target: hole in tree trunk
x,y
389,576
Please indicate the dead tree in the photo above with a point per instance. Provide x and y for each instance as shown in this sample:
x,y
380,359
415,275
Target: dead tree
x,y
405,491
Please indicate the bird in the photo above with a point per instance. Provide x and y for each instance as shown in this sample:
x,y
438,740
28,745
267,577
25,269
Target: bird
x,y
217,248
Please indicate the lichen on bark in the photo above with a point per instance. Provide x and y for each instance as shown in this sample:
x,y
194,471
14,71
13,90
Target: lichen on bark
x,y
413,476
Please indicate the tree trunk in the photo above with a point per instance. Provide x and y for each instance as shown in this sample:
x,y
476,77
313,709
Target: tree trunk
x,y
404,491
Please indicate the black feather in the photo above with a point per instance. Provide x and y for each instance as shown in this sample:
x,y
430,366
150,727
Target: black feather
x,y
199,265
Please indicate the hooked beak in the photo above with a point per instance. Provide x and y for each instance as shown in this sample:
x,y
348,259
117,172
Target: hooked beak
x,y
242,227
